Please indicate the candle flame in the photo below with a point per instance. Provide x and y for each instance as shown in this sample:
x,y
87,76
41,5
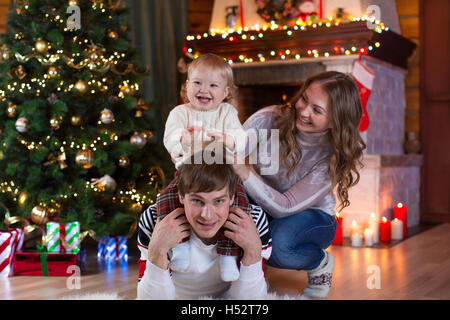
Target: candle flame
x,y
354,223
400,205
372,214
384,219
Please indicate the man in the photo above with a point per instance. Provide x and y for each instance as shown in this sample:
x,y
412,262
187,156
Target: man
x,y
207,193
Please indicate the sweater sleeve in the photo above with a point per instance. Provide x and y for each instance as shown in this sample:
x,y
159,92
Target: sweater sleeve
x,y
175,124
304,194
234,128
156,284
251,283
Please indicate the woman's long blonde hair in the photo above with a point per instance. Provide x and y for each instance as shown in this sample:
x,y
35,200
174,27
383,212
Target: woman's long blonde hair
x,y
346,142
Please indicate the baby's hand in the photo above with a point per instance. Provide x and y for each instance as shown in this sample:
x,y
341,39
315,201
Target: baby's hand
x,y
223,138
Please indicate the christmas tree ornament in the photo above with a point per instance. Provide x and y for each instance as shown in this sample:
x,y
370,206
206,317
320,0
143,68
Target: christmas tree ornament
x,y
127,90
148,135
75,120
11,110
61,160
41,46
39,215
106,116
55,122
124,161
138,140
84,158
4,53
52,72
18,72
22,125
113,35
105,183
81,86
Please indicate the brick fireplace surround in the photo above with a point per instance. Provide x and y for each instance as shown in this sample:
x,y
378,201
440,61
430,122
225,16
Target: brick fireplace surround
x,y
389,176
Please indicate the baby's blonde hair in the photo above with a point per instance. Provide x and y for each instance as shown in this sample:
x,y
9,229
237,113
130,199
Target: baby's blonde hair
x,y
217,63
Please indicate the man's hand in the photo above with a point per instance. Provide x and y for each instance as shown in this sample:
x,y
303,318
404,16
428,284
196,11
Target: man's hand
x,y
242,230
167,233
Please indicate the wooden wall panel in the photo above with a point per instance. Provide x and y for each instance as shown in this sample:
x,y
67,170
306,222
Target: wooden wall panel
x,y
435,109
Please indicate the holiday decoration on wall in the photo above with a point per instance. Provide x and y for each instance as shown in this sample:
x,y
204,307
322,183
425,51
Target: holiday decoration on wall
x,y
70,99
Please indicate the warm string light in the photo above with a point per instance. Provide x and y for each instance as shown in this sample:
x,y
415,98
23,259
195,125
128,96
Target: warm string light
x,y
257,32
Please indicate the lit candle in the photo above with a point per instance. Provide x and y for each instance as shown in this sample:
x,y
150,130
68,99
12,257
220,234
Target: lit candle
x,y
357,239
385,230
354,227
339,236
368,237
396,229
374,225
401,213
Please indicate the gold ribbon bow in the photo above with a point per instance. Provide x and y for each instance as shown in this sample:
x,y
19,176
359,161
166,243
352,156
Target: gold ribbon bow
x,y
60,159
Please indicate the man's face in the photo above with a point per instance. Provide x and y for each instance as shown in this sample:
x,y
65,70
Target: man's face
x,y
206,212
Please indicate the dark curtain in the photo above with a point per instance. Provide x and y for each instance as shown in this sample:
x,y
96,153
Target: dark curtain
x,y
159,29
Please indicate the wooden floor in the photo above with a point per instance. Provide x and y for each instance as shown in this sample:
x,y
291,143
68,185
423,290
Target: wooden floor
x,y
417,268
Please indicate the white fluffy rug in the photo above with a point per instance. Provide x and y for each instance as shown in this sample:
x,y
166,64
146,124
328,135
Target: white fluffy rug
x,y
115,296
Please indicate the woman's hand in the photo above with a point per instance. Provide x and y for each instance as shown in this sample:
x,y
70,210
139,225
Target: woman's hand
x,y
242,230
167,233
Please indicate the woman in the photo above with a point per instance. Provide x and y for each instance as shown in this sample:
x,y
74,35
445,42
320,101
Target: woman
x,y
320,150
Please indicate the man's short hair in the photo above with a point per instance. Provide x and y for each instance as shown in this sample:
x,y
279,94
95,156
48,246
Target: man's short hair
x,y
203,177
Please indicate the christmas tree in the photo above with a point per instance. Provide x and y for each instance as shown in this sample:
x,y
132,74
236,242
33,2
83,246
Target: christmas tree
x,y
77,139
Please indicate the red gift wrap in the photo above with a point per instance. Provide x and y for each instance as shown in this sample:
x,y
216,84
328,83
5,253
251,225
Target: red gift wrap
x,y
31,264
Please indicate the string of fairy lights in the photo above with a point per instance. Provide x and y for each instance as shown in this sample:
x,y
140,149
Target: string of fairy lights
x,y
258,32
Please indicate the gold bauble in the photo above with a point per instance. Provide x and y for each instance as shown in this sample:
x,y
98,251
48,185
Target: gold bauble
x,y
2,155
106,116
148,135
52,72
84,158
39,215
55,122
138,140
11,110
127,90
75,120
113,35
41,46
81,86
22,124
124,161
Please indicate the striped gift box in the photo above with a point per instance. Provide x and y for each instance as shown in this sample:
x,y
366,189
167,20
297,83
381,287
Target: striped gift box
x,y
11,241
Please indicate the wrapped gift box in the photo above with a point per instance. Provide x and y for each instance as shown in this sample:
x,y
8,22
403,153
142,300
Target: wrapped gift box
x,y
45,263
11,241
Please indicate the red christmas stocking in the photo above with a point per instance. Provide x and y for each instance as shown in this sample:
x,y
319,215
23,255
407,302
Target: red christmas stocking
x,y
363,77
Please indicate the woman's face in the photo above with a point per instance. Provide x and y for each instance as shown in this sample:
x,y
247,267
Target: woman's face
x,y
313,110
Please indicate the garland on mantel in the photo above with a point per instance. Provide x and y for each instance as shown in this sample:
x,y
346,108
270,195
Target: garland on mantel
x,y
257,32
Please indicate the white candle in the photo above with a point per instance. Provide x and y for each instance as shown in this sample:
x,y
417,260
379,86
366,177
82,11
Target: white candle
x,y
368,237
354,228
396,229
374,225
357,239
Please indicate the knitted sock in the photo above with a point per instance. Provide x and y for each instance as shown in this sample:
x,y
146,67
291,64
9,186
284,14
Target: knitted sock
x,y
229,270
180,256
319,279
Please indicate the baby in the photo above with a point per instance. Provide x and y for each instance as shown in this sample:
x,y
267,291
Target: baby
x,y
205,118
